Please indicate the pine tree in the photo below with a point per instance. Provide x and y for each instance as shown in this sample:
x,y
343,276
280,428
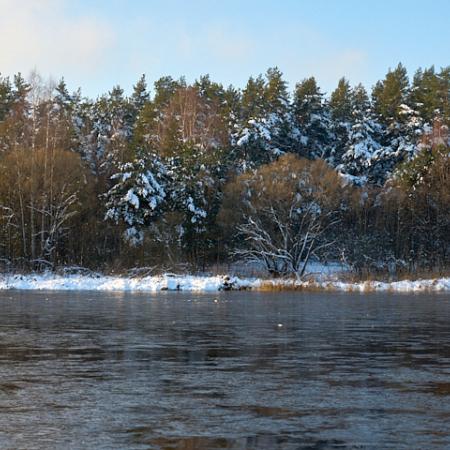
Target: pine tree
x,y
430,95
140,97
341,102
313,119
16,126
253,99
85,127
141,117
248,138
271,132
232,109
394,103
5,97
444,94
63,119
341,107
276,91
165,89
112,123
145,131
389,94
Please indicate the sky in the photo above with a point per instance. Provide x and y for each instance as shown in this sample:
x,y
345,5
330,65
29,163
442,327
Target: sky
x,y
96,44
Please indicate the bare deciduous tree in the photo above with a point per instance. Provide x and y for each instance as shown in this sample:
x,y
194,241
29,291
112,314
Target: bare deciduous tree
x,y
288,208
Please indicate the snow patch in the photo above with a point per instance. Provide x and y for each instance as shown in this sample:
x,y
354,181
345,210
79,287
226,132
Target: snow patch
x,y
192,283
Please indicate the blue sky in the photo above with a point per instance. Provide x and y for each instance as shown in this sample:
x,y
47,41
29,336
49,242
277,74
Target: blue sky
x,y
98,43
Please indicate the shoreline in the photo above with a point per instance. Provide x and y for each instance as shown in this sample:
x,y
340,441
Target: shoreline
x,y
198,283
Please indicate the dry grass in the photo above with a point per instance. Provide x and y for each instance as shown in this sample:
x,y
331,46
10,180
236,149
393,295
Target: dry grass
x,y
293,285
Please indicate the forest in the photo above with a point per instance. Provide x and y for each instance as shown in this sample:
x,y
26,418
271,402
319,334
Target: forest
x,y
190,176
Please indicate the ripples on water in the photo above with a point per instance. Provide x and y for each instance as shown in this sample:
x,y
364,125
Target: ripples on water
x,y
235,370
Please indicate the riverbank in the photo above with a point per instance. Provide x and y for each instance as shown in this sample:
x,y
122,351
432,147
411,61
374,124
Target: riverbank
x,y
191,283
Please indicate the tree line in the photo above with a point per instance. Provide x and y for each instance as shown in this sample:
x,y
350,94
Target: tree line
x,y
198,174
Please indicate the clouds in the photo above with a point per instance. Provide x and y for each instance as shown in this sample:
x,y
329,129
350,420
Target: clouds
x,y
98,43
45,35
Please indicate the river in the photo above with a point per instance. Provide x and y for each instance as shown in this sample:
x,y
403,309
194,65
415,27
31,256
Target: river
x,y
232,370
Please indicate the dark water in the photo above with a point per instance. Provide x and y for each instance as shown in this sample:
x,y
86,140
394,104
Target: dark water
x,y
235,370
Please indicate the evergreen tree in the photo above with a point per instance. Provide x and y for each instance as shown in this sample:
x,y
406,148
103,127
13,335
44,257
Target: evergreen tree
x,y
214,112
359,158
5,97
112,121
85,126
191,180
232,110
164,89
341,107
276,92
253,99
341,102
271,131
62,116
140,107
389,94
137,196
444,94
313,119
17,122
394,103
430,94
140,97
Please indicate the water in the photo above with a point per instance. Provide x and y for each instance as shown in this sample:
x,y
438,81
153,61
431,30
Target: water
x,y
235,370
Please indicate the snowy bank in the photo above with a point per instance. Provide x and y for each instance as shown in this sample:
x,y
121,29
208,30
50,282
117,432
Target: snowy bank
x,y
192,283
116,283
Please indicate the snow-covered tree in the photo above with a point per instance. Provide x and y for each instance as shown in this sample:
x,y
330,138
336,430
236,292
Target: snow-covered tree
x,y
111,124
313,119
267,128
5,97
405,135
139,98
428,94
137,196
362,147
341,108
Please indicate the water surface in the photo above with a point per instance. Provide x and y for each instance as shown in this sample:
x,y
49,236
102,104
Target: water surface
x,y
231,370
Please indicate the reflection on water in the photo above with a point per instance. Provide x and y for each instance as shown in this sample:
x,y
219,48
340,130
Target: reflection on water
x,y
235,370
